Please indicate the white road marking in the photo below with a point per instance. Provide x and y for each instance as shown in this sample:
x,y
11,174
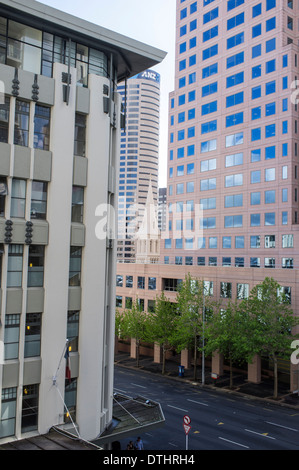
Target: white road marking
x,y
280,426
232,442
176,408
260,434
136,385
198,402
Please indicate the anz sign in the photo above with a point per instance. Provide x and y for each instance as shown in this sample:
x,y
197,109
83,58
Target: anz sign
x,y
149,75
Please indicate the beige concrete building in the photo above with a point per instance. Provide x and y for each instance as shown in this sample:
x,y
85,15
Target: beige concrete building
x,y
139,156
232,187
60,127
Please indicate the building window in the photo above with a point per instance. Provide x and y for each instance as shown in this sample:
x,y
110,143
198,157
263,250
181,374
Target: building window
x,y
129,282
226,290
32,334
80,135
42,127
287,263
4,119
3,194
269,262
21,123
18,198
8,413
75,266
171,285
255,262
152,283
39,200
30,408
242,291
287,241
15,266
11,336
118,301
77,204
269,241
36,266
141,282
73,329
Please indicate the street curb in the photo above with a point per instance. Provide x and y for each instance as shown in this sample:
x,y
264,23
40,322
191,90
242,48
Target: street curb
x,y
212,387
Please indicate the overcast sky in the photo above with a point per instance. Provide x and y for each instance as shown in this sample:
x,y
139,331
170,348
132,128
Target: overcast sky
x,y
151,22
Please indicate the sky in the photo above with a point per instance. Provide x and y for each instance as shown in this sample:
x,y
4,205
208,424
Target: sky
x,y
152,23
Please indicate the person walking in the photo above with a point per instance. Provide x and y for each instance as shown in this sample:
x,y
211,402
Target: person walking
x,y
139,444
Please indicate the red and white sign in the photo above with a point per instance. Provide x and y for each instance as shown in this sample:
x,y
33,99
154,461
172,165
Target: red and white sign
x,y
186,424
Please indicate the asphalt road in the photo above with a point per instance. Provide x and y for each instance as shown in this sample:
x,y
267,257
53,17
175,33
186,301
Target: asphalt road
x,y
219,421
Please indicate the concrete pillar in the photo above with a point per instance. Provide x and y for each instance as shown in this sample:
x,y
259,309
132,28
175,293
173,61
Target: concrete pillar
x,y
254,370
186,358
217,363
133,353
157,353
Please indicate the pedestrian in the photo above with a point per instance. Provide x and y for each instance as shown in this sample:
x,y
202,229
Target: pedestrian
x,y
130,446
139,444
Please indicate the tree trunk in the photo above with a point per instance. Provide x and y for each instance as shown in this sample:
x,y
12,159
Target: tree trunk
x,y
137,352
275,377
230,372
163,359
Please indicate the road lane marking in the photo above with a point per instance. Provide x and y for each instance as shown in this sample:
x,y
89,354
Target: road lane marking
x,y
259,434
176,408
233,442
198,402
137,385
281,426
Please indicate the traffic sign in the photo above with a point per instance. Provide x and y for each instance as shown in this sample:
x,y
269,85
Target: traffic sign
x,y
187,419
186,428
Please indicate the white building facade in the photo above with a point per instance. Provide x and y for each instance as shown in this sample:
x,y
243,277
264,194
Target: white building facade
x,y
60,125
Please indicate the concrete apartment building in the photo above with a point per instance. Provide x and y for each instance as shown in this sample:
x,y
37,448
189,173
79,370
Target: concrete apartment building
x,y
232,184
60,128
139,156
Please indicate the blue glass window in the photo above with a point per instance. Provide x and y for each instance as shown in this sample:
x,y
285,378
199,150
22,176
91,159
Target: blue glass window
x,y
210,70
256,92
256,51
270,218
183,47
285,127
210,34
182,82
191,113
193,25
182,100
255,134
209,89
285,104
193,8
207,127
209,108
181,134
183,30
270,197
270,152
191,95
231,4
256,113
235,60
235,40
234,119
270,130
271,24
183,13
235,79
191,132
192,60
270,4
181,117
255,176
255,220
255,155
210,15
256,10
270,87
271,45
270,109
192,43
256,30
285,60
181,152
256,71
192,78
235,99
210,52
255,199
271,66
235,21
182,64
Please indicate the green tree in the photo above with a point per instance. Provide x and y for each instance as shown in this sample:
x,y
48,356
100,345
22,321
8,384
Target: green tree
x,y
192,301
161,326
133,325
226,334
271,323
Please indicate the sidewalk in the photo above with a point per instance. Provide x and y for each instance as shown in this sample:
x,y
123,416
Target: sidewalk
x,y
263,390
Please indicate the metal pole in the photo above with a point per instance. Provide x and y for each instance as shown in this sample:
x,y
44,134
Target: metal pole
x,y
203,336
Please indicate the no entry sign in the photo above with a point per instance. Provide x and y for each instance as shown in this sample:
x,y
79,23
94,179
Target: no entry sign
x,y
186,424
